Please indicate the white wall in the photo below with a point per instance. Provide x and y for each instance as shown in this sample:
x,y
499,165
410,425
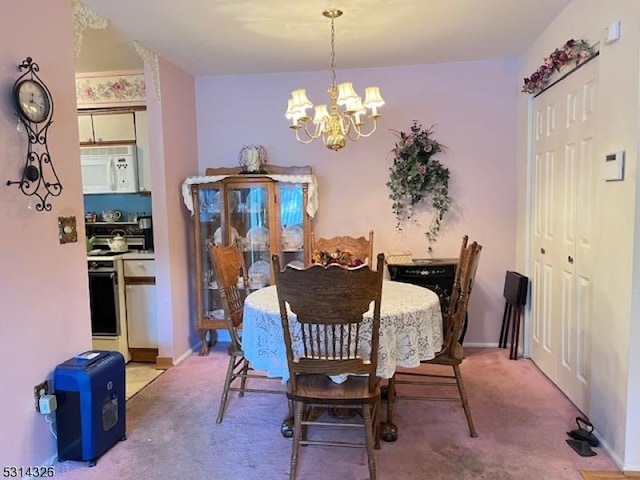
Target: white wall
x,y
616,336
473,107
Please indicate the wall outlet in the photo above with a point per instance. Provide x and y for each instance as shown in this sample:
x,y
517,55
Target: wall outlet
x,y
40,390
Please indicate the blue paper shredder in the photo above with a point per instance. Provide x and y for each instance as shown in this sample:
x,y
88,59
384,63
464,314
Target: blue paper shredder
x,y
90,392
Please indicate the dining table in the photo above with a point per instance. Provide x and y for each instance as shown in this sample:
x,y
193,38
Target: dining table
x,y
410,331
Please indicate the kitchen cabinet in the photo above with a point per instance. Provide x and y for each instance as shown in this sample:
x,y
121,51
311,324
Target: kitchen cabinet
x,y
142,151
140,294
106,127
262,216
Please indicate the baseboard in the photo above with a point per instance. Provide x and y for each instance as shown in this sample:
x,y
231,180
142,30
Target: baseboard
x,y
165,363
480,345
145,355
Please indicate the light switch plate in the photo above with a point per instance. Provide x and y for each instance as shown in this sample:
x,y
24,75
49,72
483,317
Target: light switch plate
x,y
612,32
67,231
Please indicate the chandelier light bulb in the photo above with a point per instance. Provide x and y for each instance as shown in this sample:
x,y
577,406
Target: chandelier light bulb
x,y
342,118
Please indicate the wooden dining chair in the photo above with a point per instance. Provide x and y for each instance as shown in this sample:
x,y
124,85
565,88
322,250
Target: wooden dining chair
x,y
330,337
452,352
233,282
360,247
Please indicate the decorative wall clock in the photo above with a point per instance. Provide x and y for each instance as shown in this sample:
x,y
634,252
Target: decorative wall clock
x,y
34,109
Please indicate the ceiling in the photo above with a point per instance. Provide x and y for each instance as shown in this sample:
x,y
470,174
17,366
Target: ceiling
x,y
232,37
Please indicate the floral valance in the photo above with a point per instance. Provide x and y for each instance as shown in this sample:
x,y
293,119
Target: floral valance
x,y
572,52
110,90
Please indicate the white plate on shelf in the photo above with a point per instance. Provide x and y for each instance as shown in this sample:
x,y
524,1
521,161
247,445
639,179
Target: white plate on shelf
x,y
217,236
217,314
292,237
259,273
296,264
258,237
212,204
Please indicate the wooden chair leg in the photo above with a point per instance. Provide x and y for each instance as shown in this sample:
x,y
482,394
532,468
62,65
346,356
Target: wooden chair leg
x,y
245,371
225,390
298,407
465,401
376,423
369,435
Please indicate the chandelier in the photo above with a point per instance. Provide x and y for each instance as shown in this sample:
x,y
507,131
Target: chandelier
x,y
343,119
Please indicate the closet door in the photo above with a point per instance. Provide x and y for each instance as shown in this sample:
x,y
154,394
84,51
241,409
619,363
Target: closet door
x,y
565,166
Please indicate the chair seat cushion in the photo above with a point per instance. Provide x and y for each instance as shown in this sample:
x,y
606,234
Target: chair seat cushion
x,y
319,388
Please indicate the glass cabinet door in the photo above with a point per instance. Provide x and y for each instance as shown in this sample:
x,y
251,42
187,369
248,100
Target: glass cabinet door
x,y
292,242
250,226
210,211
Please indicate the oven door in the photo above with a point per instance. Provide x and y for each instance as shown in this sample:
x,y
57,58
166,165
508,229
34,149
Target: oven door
x,y
105,311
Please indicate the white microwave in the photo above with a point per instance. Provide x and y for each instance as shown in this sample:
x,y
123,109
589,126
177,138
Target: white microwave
x,y
109,169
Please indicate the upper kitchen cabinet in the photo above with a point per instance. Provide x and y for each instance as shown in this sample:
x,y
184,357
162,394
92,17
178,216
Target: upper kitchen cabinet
x,y
142,151
106,127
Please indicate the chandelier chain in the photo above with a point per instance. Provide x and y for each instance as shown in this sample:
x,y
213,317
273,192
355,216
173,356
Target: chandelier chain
x,y
333,54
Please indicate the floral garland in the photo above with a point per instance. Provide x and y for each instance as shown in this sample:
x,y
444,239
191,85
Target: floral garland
x,y
414,176
574,51
338,257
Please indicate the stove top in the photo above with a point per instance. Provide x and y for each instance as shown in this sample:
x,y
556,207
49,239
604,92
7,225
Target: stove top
x,y
103,253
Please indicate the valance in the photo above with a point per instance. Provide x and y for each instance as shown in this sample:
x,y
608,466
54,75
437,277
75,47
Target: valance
x,y
310,180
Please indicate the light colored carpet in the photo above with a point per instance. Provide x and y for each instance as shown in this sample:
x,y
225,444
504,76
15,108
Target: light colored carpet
x,y
138,375
521,418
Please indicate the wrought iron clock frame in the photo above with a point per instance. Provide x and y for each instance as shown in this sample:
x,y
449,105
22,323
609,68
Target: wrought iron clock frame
x,y
38,164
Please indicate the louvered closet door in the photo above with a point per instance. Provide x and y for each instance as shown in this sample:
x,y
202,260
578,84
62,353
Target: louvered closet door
x,y
564,173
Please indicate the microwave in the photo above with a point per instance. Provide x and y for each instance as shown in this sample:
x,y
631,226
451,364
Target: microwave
x,y
109,169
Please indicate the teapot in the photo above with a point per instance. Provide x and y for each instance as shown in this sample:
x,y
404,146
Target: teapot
x,y
118,241
111,215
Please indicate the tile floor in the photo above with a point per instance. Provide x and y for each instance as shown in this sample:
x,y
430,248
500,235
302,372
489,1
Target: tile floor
x,y
138,375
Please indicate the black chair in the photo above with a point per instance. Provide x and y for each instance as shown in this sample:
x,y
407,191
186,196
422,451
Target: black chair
x,y
515,294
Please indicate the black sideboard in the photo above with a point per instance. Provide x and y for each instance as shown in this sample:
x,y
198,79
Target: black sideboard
x,y
436,274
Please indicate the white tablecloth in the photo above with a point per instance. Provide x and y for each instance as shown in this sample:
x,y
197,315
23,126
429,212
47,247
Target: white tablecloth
x,y
410,329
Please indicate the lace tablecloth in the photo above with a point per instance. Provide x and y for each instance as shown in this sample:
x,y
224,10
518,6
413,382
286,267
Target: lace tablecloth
x,y
410,329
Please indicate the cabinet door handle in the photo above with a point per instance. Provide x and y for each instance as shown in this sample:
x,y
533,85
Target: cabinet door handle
x,y
570,259
543,251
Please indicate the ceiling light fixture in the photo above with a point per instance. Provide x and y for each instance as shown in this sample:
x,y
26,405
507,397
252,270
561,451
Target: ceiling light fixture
x,y
334,125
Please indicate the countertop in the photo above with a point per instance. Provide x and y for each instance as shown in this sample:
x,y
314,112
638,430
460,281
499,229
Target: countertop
x,y
130,255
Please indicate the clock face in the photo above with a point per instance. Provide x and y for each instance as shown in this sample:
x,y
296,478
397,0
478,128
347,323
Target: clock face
x,y
32,101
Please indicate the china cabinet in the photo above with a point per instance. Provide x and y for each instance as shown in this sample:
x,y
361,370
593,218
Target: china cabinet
x,y
263,214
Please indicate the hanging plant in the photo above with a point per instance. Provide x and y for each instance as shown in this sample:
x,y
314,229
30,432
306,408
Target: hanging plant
x,y
415,177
